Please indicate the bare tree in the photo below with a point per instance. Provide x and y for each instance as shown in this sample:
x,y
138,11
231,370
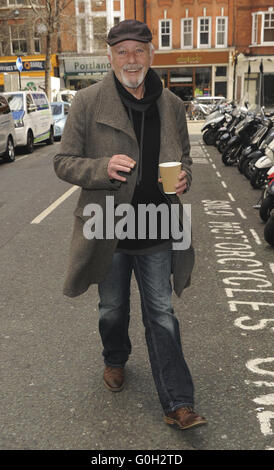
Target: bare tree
x,y
48,14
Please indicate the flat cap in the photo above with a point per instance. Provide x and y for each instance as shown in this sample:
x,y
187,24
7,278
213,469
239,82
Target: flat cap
x,y
129,30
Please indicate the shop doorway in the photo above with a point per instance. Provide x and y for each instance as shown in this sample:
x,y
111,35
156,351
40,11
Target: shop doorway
x,y
268,91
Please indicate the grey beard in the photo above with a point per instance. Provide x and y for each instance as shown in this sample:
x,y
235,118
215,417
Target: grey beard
x,y
129,84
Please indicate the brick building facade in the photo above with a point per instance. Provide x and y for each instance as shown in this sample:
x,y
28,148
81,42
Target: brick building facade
x,y
201,46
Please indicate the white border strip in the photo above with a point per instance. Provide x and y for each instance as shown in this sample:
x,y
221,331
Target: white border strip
x,y
53,206
256,236
241,213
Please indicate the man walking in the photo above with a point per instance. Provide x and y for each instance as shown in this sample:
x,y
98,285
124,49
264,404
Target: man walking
x,y
117,133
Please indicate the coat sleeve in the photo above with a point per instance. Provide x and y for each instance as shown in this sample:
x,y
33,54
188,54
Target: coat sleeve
x,y
71,164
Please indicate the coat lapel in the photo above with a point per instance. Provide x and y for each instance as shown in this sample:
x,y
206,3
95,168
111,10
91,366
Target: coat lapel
x,y
110,110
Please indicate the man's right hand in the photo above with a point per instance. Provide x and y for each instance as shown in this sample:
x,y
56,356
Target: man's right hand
x,y
120,163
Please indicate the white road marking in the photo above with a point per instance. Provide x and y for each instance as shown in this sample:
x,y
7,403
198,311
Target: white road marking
x,y
224,184
256,236
218,174
21,158
241,213
214,166
231,197
272,267
53,206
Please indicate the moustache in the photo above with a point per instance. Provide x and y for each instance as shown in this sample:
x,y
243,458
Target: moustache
x,y
129,68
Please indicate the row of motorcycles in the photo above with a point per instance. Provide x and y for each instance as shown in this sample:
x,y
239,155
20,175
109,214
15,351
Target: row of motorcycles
x,y
245,139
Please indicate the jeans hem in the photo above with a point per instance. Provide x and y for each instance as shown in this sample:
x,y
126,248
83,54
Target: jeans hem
x,y
114,365
175,407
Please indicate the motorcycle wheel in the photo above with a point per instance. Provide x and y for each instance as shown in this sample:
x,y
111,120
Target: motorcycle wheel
x,y
229,157
209,137
222,146
266,208
269,231
258,178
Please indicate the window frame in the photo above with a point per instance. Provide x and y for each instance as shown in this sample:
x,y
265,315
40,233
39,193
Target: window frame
x,y
263,13
167,20
18,38
183,21
254,30
225,18
208,45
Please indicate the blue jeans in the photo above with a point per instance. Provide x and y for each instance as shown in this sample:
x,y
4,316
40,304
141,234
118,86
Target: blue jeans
x,y
170,371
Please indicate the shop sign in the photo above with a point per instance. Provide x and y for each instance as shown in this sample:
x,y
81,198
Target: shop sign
x,y
193,59
87,64
28,66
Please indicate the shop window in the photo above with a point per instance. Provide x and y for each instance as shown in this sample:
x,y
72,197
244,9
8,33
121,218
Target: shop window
x,y
187,33
204,32
203,81
221,31
220,71
221,89
165,34
268,29
268,91
18,39
181,75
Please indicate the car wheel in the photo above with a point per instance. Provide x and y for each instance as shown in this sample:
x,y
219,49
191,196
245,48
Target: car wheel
x,y
30,143
10,152
50,140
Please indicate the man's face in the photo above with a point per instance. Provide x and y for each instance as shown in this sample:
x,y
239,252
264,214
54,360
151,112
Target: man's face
x,y
130,61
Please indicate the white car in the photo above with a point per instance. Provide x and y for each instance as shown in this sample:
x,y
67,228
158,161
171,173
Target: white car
x,y
32,118
60,111
7,131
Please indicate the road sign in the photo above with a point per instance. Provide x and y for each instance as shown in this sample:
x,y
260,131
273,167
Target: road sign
x,y
19,64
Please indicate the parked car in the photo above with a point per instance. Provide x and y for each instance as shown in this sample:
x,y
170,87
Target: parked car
x,y
65,95
32,118
59,111
7,131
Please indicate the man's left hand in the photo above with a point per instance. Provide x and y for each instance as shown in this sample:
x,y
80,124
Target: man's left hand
x,y
181,186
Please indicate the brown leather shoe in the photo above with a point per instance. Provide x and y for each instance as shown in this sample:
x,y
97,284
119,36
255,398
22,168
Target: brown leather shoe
x,y
114,378
184,418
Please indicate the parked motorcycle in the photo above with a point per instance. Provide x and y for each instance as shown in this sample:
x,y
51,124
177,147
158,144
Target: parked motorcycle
x,y
267,200
248,166
259,175
264,127
225,133
212,126
243,132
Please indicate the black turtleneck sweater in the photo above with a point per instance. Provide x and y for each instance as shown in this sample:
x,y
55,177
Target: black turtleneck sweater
x,y
145,118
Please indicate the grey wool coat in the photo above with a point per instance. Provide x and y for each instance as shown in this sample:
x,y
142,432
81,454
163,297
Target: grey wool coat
x,y
97,128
